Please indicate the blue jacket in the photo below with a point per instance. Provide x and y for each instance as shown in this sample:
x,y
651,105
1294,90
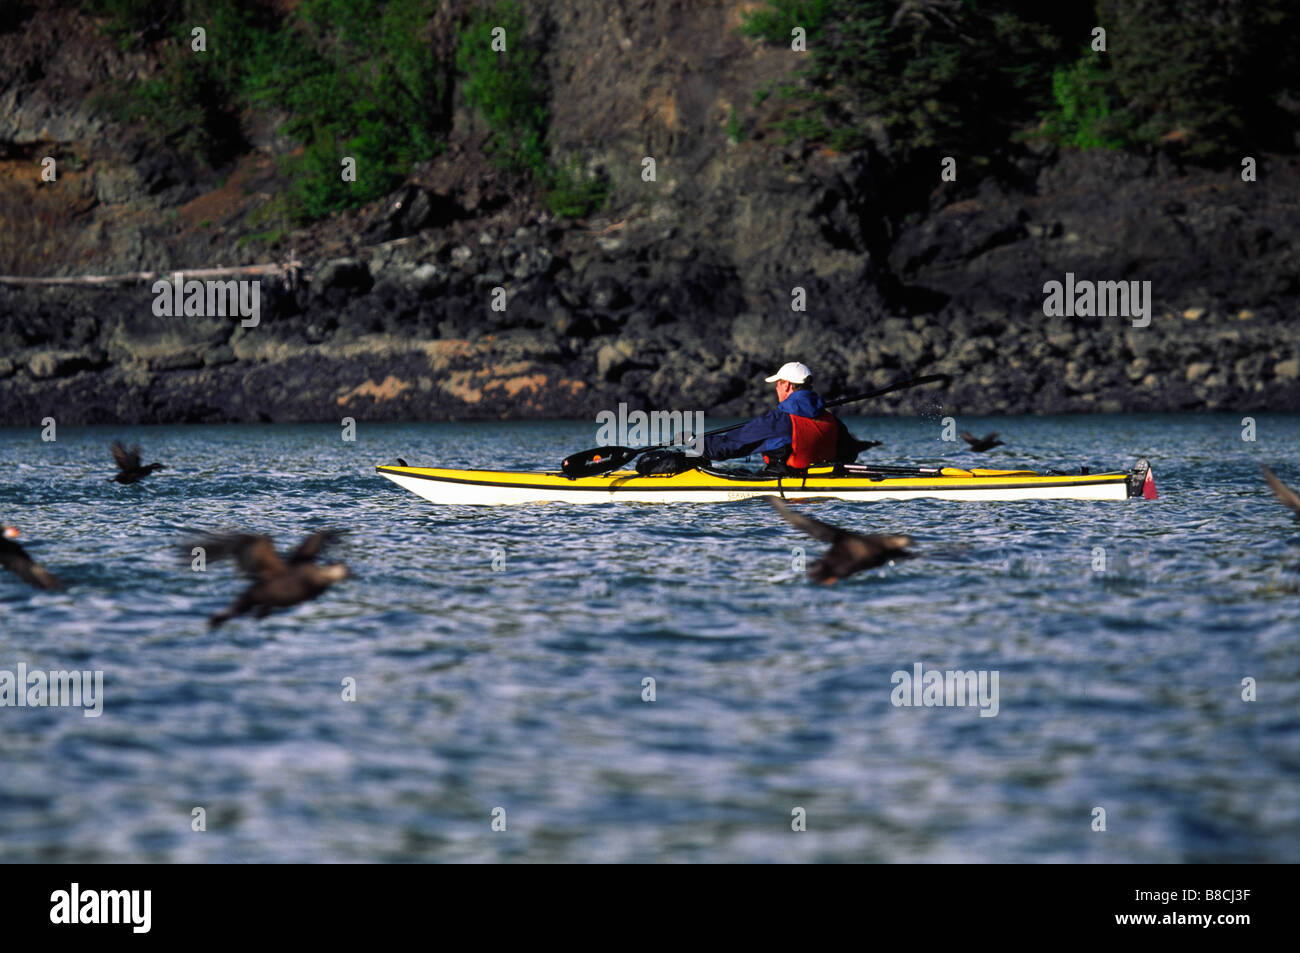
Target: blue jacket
x,y
765,434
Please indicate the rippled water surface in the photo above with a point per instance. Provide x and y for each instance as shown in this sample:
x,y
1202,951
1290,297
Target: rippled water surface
x,y
522,688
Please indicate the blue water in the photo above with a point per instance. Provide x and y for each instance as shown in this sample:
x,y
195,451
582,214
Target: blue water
x,y
522,688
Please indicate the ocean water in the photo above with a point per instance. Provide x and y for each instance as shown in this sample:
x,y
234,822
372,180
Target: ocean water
x,y
499,656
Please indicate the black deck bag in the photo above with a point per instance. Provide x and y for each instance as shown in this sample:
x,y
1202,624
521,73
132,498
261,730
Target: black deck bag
x,y
667,462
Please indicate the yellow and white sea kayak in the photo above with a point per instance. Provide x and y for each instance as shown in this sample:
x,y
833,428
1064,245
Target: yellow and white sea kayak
x,y
855,482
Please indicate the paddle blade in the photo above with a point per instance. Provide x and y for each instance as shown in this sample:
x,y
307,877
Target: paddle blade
x,y
597,461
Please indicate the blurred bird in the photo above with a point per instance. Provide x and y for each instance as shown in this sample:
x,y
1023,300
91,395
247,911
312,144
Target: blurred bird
x,y
1288,496
857,446
850,552
128,464
980,444
14,558
276,583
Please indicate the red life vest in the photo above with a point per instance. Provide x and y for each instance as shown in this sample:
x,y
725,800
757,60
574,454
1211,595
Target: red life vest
x,y
812,440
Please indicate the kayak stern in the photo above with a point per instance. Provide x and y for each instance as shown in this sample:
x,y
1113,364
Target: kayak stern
x,y
1142,481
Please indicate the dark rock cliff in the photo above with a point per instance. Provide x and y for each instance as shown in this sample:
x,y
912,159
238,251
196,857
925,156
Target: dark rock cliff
x,y
677,296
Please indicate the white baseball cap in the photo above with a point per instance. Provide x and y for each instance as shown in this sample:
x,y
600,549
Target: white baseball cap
x,y
794,372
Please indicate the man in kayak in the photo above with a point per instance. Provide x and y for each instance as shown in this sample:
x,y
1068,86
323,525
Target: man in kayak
x,y
798,432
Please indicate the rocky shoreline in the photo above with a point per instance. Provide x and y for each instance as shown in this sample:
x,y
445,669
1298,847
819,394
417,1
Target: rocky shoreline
x,y
657,312
677,297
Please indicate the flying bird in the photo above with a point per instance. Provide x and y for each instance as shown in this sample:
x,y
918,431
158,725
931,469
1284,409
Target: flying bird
x,y
1288,496
856,446
850,552
276,583
14,558
128,464
980,444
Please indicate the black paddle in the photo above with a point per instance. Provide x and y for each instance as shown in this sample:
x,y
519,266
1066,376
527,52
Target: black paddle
x,y
604,459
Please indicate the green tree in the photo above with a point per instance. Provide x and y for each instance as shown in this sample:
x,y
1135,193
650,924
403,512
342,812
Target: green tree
x,y
948,75
506,89
1082,117
355,78
1208,76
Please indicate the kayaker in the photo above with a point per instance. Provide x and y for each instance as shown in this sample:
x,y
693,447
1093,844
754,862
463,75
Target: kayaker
x,y
797,433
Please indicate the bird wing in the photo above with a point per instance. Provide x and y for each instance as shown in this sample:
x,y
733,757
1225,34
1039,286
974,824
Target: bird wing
x,y
891,543
814,528
992,436
255,554
125,459
38,576
1288,496
968,437
872,550
14,558
310,547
